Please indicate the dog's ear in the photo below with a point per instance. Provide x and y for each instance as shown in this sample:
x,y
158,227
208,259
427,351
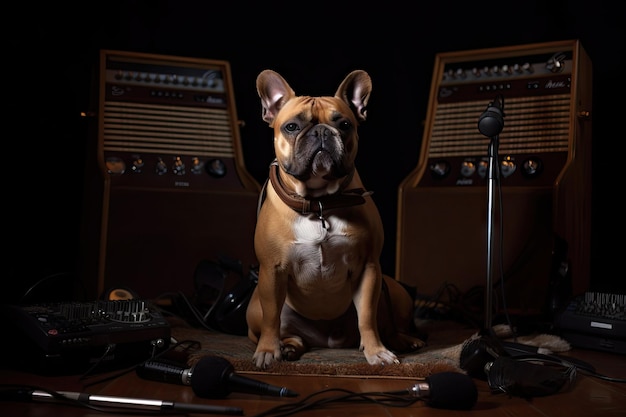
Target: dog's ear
x,y
355,91
274,92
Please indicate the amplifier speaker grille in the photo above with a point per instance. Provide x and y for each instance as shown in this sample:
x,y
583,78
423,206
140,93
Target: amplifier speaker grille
x,y
533,124
139,128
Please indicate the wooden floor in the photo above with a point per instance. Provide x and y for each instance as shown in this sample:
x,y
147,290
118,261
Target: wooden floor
x,y
589,396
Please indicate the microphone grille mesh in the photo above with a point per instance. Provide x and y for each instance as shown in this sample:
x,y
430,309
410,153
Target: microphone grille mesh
x,y
452,390
210,377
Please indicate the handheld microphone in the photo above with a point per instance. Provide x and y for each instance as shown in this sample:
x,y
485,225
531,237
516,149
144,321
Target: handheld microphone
x,y
210,377
447,390
491,122
29,394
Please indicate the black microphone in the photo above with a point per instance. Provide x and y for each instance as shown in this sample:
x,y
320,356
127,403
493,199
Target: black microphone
x,y
491,122
447,390
210,377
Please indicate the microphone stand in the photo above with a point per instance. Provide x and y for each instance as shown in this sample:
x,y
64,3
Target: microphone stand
x,y
477,353
490,124
492,176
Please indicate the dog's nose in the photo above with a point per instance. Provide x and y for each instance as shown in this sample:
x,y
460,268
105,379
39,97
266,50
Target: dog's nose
x,y
322,133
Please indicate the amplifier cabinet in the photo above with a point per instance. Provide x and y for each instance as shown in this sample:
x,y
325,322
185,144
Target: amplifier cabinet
x,y
544,165
175,189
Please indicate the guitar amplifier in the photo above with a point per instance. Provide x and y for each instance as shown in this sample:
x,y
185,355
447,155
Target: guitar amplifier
x,y
544,166
175,190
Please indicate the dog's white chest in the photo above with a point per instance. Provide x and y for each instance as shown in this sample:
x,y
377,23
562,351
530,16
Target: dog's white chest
x,y
322,252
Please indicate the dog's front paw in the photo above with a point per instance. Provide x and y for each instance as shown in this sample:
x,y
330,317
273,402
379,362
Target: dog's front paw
x,y
264,359
381,356
268,351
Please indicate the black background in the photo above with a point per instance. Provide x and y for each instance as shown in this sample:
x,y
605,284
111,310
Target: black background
x,y
52,51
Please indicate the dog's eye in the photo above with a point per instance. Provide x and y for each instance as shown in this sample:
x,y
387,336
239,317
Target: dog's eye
x,y
291,127
344,125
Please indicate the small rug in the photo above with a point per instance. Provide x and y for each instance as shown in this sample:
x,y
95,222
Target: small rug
x,y
441,354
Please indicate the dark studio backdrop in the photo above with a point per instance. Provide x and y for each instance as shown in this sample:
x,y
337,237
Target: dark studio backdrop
x,y
51,59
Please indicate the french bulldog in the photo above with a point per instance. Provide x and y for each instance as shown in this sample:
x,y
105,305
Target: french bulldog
x,y
319,235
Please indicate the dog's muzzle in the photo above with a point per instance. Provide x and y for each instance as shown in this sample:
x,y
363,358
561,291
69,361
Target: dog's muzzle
x,y
319,151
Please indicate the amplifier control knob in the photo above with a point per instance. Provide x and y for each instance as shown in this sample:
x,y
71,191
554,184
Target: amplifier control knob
x,y
161,167
483,166
527,67
196,165
532,167
468,168
216,168
137,165
556,63
440,169
507,167
115,165
179,166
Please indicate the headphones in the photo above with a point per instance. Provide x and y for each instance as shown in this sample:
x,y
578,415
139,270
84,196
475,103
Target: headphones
x,y
223,308
507,369
217,303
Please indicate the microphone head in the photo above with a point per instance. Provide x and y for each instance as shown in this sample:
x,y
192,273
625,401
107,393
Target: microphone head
x,y
452,391
491,123
210,376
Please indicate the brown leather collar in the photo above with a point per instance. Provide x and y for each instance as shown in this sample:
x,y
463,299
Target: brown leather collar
x,y
304,205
